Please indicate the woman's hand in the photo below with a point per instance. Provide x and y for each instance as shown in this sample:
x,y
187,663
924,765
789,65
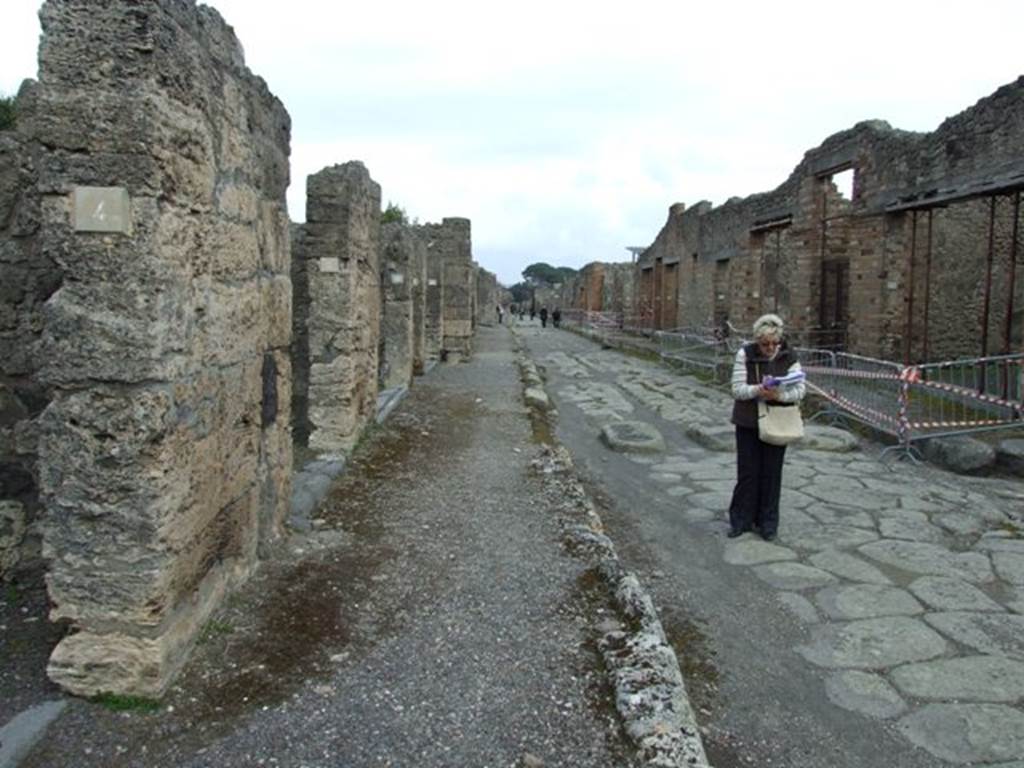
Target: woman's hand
x,y
768,393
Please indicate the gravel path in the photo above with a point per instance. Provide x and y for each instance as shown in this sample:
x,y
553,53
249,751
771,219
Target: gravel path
x,y
432,617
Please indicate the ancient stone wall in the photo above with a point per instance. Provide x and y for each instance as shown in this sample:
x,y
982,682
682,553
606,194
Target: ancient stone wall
x,y
888,268
434,295
487,298
398,273
339,248
418,273
165,453
452,242
28,277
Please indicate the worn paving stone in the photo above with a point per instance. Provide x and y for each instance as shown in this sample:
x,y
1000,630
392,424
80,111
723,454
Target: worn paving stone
x,y
665,478
958,524
864,692
944,593
975,678
633,436
873,643
857,499
967,733
711,500
996,633
865,601
714,438
925,558
793,576
821,537
912,530
826,514
1009,567
849,567
753,551
792,499
822,438
991,542
802,608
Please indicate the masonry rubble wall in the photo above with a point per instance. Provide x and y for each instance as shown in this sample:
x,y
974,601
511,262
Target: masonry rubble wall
x,y
336,350
898,268
434,294
451,240
398,276
164,452
28,277
487,298
600,287
418,274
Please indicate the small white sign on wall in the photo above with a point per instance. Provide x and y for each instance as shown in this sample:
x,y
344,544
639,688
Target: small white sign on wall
x,y
102,209
432,282
397,278
330,264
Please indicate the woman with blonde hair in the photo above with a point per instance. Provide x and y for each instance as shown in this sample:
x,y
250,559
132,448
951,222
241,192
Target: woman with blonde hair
x,y
755,499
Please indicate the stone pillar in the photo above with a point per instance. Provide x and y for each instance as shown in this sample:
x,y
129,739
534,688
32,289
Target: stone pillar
x,y
165,454
487,298
459,288
398,246
433,320
338,245
418,270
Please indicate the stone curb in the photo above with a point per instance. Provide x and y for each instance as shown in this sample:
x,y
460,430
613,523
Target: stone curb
x,y
650,694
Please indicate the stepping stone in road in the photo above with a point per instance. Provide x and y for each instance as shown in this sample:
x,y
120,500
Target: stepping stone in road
x,y
633,437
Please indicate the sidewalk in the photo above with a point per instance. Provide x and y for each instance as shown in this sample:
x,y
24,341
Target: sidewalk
x,y
432,617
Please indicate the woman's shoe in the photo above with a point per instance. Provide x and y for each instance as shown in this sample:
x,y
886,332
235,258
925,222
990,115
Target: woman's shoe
x,y
734,532
768,536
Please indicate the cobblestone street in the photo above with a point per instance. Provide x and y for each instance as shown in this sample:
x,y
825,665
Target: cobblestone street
x,y
884,625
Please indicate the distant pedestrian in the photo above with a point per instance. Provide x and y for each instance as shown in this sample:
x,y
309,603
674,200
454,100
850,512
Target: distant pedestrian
x,y
501,314
556,317
533,312
543,317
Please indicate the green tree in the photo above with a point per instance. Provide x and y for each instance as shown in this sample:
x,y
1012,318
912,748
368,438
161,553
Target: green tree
x,y
543,273
521,292
8,112
394,213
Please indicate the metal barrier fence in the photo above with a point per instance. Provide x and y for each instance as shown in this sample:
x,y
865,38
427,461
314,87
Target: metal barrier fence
x,y
908,403
913,403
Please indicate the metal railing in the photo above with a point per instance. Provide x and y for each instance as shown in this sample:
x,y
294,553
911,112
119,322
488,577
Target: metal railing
x,y
913,403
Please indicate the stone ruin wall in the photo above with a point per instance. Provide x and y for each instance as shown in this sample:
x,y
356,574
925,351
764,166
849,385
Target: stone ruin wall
x,y
600,287
156,326
487,298
336,351
794,249
399,282
434,294
451,310
28,277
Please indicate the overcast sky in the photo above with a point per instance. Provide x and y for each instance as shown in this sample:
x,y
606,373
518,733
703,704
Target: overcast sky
x,y
565,130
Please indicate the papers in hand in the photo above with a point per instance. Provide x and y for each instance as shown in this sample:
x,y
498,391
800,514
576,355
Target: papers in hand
x,y
788,380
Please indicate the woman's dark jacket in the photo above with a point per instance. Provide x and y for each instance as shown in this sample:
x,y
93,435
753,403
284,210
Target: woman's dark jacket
x,y
744,412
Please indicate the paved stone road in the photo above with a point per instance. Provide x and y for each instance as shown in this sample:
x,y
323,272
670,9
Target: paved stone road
x,y
902,586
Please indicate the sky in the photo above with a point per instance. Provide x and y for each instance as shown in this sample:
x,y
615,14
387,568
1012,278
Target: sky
x,y
564,130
